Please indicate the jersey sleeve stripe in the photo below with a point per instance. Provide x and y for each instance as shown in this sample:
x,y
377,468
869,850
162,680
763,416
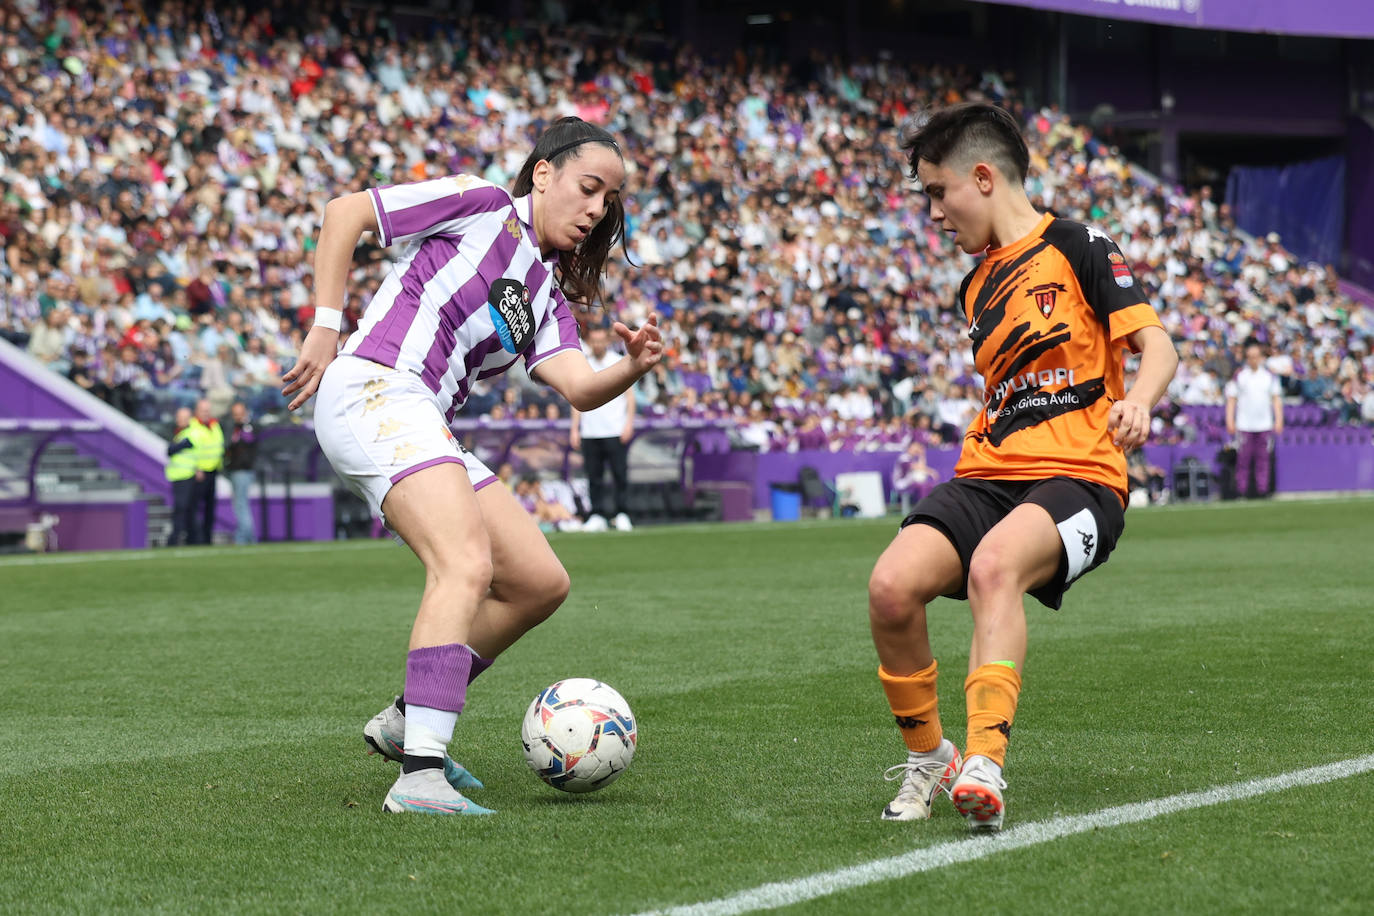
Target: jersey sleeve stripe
x,y
384,230
437,212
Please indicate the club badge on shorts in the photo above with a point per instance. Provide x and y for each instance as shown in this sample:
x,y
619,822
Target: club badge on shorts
x,y
509,304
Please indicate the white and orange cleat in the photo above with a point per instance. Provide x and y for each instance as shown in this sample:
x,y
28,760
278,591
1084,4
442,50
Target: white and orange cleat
x,y
977,793
923,776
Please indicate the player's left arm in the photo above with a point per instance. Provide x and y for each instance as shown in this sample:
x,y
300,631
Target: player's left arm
x,y
1129,419
1124,310
628,432
569,373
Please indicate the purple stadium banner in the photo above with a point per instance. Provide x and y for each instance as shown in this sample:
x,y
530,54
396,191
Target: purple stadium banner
x,y
1343,18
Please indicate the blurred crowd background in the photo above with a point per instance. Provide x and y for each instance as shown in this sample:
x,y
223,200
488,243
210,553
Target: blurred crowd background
x,y
164,167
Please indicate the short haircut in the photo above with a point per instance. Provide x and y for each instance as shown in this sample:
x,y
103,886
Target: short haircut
x,y
967,133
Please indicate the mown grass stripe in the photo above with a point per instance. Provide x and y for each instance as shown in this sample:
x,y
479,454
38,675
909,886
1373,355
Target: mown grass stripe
x,y
823,884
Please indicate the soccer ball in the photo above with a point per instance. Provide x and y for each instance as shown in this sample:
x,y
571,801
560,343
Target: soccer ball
x,y
579,735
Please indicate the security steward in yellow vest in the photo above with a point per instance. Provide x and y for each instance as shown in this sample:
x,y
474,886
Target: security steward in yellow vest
x,y
207,440
181,473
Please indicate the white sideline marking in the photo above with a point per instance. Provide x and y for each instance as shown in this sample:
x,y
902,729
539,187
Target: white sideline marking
x,y
191,553
799,890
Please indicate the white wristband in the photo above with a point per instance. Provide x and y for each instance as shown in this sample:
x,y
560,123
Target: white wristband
x,y
328,318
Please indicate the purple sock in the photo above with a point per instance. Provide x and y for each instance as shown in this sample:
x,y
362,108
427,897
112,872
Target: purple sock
x,y
479,665
437,676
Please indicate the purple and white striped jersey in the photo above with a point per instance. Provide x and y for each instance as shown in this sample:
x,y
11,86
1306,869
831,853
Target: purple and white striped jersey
x,y
469,294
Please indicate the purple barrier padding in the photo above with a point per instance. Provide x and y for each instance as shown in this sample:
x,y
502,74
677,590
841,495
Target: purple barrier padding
x,y
85,525
136,525
1343,18
762,470
736,499
1316,460
312,517
736,466
15,517
30,391
1317,466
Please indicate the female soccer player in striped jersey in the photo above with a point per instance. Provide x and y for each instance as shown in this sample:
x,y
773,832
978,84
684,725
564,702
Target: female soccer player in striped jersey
x,y
485,278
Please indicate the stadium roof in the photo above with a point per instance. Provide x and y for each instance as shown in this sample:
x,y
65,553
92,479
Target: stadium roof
x,y
1335,18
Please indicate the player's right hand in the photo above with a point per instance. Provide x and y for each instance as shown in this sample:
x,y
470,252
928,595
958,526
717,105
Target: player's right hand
x,y
320,347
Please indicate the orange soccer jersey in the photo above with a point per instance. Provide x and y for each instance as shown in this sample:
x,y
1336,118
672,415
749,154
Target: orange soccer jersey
x,y
1048,317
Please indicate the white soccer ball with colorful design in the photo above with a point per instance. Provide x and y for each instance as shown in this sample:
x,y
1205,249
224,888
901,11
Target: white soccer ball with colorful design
x,y
579,735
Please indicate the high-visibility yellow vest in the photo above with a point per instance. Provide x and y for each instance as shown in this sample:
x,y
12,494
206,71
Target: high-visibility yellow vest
x,y
209,445
182,465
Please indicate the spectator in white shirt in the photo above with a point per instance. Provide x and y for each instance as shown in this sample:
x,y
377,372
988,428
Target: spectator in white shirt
x,y
1254,413
603,435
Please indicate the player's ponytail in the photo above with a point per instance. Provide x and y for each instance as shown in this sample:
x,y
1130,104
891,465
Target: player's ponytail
x,y
579,270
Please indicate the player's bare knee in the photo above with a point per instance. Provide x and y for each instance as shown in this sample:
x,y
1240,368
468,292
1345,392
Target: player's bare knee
x,y
538,594
892,601
990,573
553,589
466,576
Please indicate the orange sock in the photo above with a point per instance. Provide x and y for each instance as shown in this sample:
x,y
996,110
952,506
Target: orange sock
x,y
991,691
913,701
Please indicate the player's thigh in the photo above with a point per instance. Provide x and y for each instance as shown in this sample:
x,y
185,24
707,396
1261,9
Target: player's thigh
x,y
435,511
525,570
918,566
1021,552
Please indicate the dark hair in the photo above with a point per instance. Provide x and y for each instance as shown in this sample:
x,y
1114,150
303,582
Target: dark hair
x,y
968,131
579,270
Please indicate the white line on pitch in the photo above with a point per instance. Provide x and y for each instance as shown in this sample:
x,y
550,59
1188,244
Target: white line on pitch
x,y
799,890
191,553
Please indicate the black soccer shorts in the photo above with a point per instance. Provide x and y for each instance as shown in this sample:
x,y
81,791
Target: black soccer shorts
x,y
1089,516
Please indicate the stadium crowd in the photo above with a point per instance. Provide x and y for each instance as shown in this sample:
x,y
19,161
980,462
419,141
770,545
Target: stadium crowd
x,y
163,171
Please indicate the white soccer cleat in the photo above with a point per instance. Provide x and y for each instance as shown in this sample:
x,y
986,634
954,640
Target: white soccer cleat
x,y
428,792
977,793
622,522
923,776
594,523
385,734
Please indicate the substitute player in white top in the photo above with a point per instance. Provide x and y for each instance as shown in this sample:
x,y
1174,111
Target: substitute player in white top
x,y
1254,417
603,436
484,278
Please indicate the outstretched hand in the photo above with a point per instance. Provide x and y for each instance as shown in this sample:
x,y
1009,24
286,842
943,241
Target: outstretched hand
x,y
645,346
320,347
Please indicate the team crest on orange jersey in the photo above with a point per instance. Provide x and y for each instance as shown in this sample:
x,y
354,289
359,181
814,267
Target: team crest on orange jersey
x,y
1045,295
1120,272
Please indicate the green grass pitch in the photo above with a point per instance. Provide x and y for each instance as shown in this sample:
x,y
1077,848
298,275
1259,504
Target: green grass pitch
x,y
181,731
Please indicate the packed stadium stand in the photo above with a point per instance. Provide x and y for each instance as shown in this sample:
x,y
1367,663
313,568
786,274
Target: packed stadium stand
x,y
164,168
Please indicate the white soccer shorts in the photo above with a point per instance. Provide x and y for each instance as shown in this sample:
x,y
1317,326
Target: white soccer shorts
x,y
379,425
